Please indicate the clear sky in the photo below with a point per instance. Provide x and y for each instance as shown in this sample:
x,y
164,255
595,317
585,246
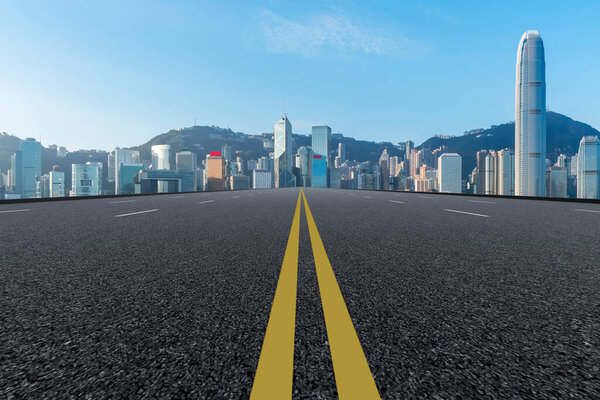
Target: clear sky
x,y
100,74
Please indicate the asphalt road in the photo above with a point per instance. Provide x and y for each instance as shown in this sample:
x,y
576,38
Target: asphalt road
x,y
169,296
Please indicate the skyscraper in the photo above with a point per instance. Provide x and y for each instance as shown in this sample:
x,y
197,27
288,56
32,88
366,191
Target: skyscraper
x,y
283,153
481,171
410,145
26,167
57,182
215,171
384,166
321,147
530,117
491,173
86,179
161,157
588,164
506,172
127,157
342,152
187,161
450,173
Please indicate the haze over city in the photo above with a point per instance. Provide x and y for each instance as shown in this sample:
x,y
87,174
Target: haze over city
x,y
386,72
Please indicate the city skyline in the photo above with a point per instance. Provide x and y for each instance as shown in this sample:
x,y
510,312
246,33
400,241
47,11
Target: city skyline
x,y
115,105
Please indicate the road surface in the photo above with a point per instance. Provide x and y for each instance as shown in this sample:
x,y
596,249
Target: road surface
x,y
170,296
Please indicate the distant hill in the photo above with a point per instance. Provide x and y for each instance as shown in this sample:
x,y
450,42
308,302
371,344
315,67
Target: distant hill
x,y
563,136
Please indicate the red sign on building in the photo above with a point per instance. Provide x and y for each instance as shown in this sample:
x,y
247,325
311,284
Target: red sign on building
x,y
316,156
215,154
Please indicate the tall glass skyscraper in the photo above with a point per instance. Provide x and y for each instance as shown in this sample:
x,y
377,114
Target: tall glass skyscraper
x,y
530,117
283,153
588,164
26,168
321,147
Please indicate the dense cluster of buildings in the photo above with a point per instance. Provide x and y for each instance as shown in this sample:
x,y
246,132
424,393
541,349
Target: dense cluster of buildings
x,y
522,171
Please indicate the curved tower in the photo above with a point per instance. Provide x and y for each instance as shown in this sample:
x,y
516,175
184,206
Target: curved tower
x,y
530,117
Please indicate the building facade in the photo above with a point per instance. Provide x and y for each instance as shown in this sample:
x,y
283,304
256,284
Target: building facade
x,y
588,164
530,117
282,133
450,173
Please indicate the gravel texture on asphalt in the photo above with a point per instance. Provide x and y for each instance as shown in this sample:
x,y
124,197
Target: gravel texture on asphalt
x,y
175,303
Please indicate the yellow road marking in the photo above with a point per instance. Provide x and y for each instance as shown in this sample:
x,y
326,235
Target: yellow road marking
x,y
352,374
274,374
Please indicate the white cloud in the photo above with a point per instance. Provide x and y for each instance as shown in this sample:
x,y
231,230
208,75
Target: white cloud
x,y
322,32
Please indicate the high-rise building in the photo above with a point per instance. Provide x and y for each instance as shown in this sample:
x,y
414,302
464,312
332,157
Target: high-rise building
x,y
226,152
283,153
341,152
110,170
588,164
556,182
530,117
410,145
187,161
384,167
335,178
303,163
506,172
127,176
86,179
26,168
215,171
481,172
56,182
261,179
161,157
491,172
450,173
321,147
124,157
393,165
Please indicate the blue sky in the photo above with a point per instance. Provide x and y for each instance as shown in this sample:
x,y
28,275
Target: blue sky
x,y
100,74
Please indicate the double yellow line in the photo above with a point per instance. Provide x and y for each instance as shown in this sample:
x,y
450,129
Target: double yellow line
x,y
274,374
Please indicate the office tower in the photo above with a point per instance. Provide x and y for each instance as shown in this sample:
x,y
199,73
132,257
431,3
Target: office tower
x,y
261,179
342,152
318,171
187,161
410,145
413,162
588,164
530,117
506,172
56,182
111,167
556,182
335,178
86,179
239,182
127,177
393,165
573,165
161,157
450,173
45,186
26,168
226,152
490,173
480,159
215,171
124,157
303,164
321,147
283,153
384,168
